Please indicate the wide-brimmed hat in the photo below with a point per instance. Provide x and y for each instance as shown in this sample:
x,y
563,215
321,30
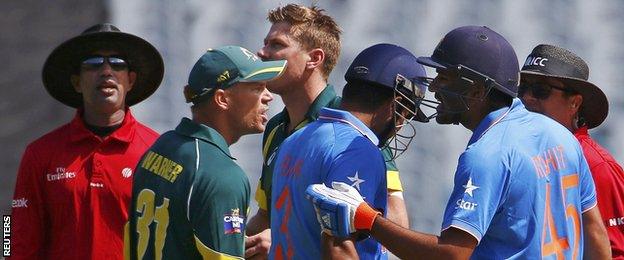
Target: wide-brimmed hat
x,y
64,61
548,61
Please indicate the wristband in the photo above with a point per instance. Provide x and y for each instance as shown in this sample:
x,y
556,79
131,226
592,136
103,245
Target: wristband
x,y
365,217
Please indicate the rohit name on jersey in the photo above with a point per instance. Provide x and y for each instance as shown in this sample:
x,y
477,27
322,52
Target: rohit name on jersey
x,y
161,166
234,222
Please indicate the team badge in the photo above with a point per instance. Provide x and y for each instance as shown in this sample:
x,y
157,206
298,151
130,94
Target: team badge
x,y
126,172
234,222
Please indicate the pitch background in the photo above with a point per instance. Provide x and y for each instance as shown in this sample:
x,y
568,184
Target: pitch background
x,y
182,30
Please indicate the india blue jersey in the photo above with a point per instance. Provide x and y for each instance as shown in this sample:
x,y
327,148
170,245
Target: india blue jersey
x,y
521,187
336,147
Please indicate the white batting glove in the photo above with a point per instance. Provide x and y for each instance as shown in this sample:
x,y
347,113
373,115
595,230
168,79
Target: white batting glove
x,y
341,210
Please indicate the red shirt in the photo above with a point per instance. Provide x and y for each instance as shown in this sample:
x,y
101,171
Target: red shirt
x,y
609,179
73,191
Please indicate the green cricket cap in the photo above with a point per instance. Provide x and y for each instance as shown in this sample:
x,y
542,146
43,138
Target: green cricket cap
x,y
225,66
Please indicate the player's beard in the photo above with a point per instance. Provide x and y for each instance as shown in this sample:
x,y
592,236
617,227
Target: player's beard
x,y
386,134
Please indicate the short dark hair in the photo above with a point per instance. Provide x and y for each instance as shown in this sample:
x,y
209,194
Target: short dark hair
x,y
366,96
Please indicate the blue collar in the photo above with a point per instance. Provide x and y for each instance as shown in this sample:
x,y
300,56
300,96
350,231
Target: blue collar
x,y
496,117
335,115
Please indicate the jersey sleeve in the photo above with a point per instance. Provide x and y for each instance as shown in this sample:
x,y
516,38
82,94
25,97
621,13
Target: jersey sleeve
x,y
362,167
587,186
392,172
478,190
261,196
217,212
28,210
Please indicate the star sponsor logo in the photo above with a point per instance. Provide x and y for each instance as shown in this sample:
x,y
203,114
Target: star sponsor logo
x,y
470,187
356,180
126,172
233,222
60,174
19,203
465,205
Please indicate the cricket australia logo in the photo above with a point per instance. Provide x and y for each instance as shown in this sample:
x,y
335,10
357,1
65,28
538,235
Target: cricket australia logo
x,y
234,223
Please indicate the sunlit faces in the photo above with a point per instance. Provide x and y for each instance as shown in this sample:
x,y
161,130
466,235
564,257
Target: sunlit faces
x,y
559,103
249,106
279,44
103,88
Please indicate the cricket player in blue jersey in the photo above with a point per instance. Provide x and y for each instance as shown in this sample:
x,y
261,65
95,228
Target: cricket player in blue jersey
x,y
522,187
383,91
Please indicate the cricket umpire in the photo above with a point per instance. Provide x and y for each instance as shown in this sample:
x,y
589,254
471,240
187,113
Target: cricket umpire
x,y
74,183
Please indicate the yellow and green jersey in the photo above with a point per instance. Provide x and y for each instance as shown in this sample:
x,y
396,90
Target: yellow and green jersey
x,y
189,198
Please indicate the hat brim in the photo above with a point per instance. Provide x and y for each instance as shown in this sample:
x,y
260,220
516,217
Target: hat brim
x,y
431,62
595,107
265,71
64,61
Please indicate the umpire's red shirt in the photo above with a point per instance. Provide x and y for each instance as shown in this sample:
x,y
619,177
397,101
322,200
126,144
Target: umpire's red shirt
x,y
73,192
609,179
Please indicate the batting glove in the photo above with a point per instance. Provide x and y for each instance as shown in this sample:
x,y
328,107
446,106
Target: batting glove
x,y
341,211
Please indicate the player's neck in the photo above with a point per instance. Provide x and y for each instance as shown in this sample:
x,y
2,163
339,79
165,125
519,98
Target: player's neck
x,y
366,118
220,124
299,99
103,119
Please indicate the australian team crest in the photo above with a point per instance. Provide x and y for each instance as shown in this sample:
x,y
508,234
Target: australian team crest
x,y
234,222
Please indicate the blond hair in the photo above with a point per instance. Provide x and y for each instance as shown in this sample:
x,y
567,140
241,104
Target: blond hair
x,y
312,28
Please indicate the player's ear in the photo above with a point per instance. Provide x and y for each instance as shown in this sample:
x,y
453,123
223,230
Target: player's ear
x,y
131,80
75,81
316,58
477,92
221,99
575,102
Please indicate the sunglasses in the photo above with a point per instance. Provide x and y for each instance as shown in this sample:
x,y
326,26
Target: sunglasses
x,y
95,62
539,90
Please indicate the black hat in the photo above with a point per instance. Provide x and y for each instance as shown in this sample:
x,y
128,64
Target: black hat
x,y
547,61
64,61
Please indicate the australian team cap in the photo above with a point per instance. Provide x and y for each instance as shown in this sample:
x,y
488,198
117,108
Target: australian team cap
x,y
223,67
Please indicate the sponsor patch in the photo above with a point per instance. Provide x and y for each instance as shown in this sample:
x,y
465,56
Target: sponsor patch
x,y
234,222
60,174
465,205
126,172
616,222
20,203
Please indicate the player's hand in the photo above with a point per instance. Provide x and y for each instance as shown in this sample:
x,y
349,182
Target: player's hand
x,y
341,211
258,245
